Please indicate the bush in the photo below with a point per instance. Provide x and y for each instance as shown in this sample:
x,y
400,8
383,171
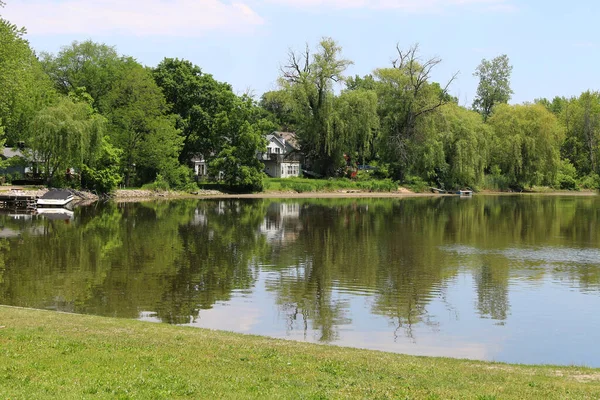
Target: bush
x,y
591,182
416,184
101,181
159,184
178,177
302,187
565,179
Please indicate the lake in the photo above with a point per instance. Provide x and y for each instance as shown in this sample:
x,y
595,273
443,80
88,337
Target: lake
x,y
502,278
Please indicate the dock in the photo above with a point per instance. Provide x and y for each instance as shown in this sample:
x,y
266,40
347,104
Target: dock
x,y
18,201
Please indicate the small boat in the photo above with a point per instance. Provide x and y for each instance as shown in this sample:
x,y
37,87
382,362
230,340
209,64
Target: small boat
x,y
55,198
438,191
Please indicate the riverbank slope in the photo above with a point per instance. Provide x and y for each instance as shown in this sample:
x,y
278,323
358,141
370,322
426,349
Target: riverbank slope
x,y
53,355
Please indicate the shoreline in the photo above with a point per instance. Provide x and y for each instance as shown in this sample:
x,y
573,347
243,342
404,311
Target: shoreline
x,y
124,195
135,195
50,354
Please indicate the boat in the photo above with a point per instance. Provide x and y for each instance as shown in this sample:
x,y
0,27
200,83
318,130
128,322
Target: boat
x,y
465,193
55,198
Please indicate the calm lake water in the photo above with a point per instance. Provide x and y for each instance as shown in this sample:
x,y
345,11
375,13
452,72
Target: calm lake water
x,y
507,278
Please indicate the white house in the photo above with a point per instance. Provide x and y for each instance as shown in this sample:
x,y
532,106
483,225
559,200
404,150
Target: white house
x,y
282,159
200,166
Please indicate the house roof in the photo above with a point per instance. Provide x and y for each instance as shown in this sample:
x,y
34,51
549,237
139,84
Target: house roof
x,y
290,138
276,138
9,152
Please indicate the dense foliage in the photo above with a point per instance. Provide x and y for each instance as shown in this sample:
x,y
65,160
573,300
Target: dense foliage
x,y
108,120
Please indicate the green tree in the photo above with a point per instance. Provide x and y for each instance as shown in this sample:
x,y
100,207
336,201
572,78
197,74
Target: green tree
x,y
196,98
581,118
65,135
309,79
466,147
140,126
494,84
281,105
241,135
24,88
357,122
102,173
526,144
93,66
407,98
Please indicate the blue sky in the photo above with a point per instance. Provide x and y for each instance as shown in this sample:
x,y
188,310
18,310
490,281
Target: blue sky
x,y
552,44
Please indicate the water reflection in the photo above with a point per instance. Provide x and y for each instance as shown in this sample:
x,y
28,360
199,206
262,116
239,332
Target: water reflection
x,y
422,276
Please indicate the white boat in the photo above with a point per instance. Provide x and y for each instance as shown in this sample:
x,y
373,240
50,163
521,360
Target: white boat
x,y
55,198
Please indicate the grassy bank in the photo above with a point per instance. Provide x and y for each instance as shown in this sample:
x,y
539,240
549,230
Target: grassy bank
x,y
51,355
304,185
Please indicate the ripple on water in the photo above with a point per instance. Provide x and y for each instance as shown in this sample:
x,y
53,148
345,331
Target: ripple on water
x,y
547,255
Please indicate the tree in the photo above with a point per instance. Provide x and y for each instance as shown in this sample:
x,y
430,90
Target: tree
x,y
65,135
281,105
242,138
309,80
465,145
526,144
494,84
93,66
196,98
357,122
406,98
581,118
140,126
102,173
24,88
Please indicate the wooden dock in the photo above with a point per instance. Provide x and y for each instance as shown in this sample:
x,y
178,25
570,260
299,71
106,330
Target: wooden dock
x,y
18,201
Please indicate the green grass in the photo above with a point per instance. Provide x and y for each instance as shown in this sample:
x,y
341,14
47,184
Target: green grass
x,y
302,185
47,355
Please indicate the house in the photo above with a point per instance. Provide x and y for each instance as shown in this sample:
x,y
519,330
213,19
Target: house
x,y
20,163
200,166
283,158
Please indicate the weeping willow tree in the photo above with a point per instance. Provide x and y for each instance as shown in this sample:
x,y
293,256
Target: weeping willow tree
x,y
407,96
465,143
526,144
65,135
310,81
358,122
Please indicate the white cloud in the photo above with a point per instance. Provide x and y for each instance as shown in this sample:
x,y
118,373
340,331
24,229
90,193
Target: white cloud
x,y
184,18
403,5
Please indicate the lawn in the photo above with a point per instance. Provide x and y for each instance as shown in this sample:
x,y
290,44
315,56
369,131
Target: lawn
x,y
302,185
47,355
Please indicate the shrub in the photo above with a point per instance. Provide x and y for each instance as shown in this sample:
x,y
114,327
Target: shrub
x,y
591,181
416,184
102,181
159,184
302,187
565,179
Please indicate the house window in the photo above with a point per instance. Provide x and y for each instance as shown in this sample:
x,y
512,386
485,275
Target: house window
x,y
269,150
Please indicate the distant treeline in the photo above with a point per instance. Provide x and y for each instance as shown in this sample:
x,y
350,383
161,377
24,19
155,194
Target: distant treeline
x,y
117,122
